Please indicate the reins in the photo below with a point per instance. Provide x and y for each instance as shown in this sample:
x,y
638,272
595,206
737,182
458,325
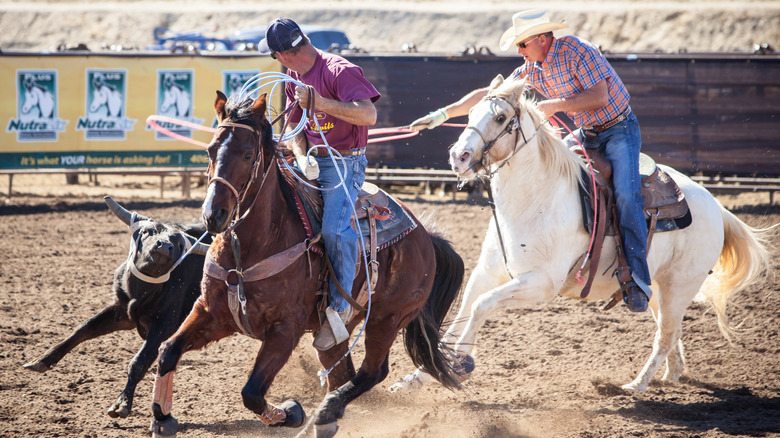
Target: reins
x,y
513,125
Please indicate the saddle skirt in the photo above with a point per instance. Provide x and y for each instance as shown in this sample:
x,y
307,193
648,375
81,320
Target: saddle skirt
x,y
665,206
391,221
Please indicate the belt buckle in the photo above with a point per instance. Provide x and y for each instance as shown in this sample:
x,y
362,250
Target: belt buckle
x,y
590,131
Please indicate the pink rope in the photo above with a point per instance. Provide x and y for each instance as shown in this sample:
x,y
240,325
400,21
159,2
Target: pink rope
x,y
401,133
560,125
154,118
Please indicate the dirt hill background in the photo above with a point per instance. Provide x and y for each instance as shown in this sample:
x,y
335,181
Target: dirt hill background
x,y
384,26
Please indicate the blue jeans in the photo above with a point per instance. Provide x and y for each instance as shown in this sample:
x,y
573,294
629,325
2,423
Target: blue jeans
x,y
621,144
341,240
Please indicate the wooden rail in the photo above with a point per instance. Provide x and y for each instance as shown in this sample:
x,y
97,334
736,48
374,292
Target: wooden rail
x,y
426,178
184,172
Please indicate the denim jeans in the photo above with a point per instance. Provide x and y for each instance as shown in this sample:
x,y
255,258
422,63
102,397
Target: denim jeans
x,y
621,144
340,239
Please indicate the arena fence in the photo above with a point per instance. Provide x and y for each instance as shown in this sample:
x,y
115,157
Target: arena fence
x,y
713,116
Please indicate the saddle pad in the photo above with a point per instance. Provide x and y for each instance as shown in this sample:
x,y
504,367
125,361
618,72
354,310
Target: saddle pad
x,y
388,231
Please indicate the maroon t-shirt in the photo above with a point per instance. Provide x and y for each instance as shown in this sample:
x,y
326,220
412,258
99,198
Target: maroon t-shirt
x,y
334,78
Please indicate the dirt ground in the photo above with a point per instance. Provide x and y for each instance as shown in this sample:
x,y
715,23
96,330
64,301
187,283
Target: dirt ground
x,y
551,370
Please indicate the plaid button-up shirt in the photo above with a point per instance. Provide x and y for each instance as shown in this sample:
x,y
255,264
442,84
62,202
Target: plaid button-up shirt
x,y
572,66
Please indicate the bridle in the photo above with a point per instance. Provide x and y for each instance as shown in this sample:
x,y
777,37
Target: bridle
x,y
512,125
237,300
256,166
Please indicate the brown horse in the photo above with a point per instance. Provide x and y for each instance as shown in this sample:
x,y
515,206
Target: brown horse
x,y
248,205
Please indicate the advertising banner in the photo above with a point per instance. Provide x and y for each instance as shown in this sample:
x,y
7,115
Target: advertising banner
x,y
76,111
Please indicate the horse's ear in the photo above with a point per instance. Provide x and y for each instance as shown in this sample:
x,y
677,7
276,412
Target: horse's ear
x,y
497,81
258,108
219,106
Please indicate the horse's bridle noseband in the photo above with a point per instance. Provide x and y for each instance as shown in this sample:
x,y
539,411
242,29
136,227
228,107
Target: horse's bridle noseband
x,y
513,125
239,194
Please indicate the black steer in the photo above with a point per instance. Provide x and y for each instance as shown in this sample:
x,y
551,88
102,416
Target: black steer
x,y
154,292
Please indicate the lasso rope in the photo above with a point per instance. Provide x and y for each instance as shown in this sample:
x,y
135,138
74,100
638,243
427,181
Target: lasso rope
x,y
273,80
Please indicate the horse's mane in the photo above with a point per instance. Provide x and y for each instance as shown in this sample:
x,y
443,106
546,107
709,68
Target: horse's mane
x,y
241,112
555,156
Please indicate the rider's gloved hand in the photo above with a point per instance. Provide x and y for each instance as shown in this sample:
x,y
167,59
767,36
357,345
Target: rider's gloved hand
x,y
308,165
430,121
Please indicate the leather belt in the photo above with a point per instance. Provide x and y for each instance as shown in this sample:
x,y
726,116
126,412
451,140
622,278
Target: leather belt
x,y
323,152
611,123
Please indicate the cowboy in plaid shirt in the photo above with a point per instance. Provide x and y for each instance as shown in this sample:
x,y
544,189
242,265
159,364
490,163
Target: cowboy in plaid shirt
x,y
577,79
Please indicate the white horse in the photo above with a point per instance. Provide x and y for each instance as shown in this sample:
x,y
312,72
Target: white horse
x,y
39,98
176,96
108,96
534,182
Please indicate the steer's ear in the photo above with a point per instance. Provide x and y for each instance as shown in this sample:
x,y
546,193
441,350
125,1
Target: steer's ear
x,y
219,106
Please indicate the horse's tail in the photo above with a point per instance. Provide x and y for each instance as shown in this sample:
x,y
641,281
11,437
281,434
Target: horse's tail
x,y
422,336
744,259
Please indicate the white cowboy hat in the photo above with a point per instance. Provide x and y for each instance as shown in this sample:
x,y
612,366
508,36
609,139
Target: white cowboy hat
x,y
526,24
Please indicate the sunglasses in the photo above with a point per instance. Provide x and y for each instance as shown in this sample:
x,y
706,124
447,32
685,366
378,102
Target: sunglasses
x,y
273,55
525,44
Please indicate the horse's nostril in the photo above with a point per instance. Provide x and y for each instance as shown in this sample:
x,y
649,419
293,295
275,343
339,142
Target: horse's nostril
x,y
464,157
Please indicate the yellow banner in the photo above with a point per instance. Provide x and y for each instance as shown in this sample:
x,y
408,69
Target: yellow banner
x,y
64,111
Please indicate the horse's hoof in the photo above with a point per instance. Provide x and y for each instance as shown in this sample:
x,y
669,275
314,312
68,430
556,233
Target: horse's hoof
x,y
37,366
465,366
164,428
296,416
633,388
326,430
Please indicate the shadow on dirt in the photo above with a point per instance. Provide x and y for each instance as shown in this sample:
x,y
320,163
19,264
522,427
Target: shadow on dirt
x,y
732,411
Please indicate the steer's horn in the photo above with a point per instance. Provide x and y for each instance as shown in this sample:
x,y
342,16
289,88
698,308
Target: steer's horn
x,y
200,248
121,212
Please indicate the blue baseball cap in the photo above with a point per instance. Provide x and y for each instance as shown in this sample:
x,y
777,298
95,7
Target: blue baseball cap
x,y
283,34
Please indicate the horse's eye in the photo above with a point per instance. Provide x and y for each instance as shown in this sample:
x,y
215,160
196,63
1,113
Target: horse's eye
x,y
501,119
248,156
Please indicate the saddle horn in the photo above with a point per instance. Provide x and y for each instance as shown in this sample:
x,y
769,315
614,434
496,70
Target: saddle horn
x,y
122,213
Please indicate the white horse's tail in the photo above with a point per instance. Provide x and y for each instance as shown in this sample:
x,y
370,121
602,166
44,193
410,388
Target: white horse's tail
x,y
744,259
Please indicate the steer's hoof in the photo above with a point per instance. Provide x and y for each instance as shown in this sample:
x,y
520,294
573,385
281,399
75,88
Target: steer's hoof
x,y
296,416
326,430
37,366
120,409
164,428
